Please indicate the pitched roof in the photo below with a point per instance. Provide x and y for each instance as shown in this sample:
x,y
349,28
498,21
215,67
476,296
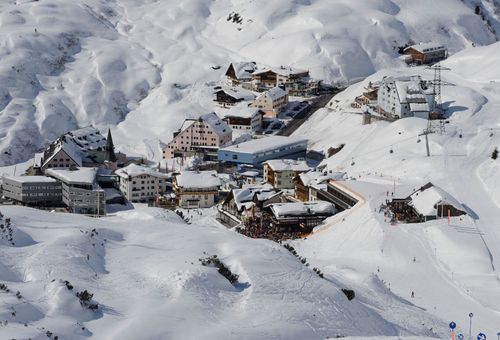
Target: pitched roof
x,y
426,199
244,197
275,93
244,70
238,93
69,149
218,125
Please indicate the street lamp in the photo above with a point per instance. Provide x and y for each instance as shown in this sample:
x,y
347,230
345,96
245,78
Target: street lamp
x,y
470,325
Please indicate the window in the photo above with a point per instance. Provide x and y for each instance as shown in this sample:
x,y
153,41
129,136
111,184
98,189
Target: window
x,y
235,156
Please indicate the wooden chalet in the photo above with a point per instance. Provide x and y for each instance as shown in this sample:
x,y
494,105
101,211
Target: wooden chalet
x,y
426,203
230,96
426,53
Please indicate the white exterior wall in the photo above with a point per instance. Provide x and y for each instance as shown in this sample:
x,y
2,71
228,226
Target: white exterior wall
x,y
198,200
388,100
256,124
268,104
142,187
282,179
198,133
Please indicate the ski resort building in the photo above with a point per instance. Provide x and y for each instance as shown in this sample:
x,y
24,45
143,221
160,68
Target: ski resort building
x,y
244,118
230,96
426,203
196,189
247,202
340,193
82,147
295,82
405,97
257,151
280,173
272,102
426,53
202,136
300,217
141,184
241,72
32,190
80,191
308,184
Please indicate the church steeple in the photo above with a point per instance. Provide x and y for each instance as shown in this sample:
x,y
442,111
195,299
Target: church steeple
x,y
110,148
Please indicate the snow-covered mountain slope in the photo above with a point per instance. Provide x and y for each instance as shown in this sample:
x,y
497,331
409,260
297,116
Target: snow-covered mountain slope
x,y
142,267
141,66
460,261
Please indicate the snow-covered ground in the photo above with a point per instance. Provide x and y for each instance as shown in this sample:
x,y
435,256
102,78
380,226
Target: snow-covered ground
x,y
142,265
142,66
457,267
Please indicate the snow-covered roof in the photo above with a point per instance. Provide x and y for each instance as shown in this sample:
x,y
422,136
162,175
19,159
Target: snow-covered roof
x,y
287,165
311,178
78,176
426,199
264,144
316,208
409,89
218,125
30,179
198,179
238,93
244,70
243,111
427,47
134,170
250,173
274,93
88,137
243,198
70,149
283,71
76,144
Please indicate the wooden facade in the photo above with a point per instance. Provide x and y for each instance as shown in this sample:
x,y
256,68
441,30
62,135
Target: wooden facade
x,y
301,190
223,98
421,57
